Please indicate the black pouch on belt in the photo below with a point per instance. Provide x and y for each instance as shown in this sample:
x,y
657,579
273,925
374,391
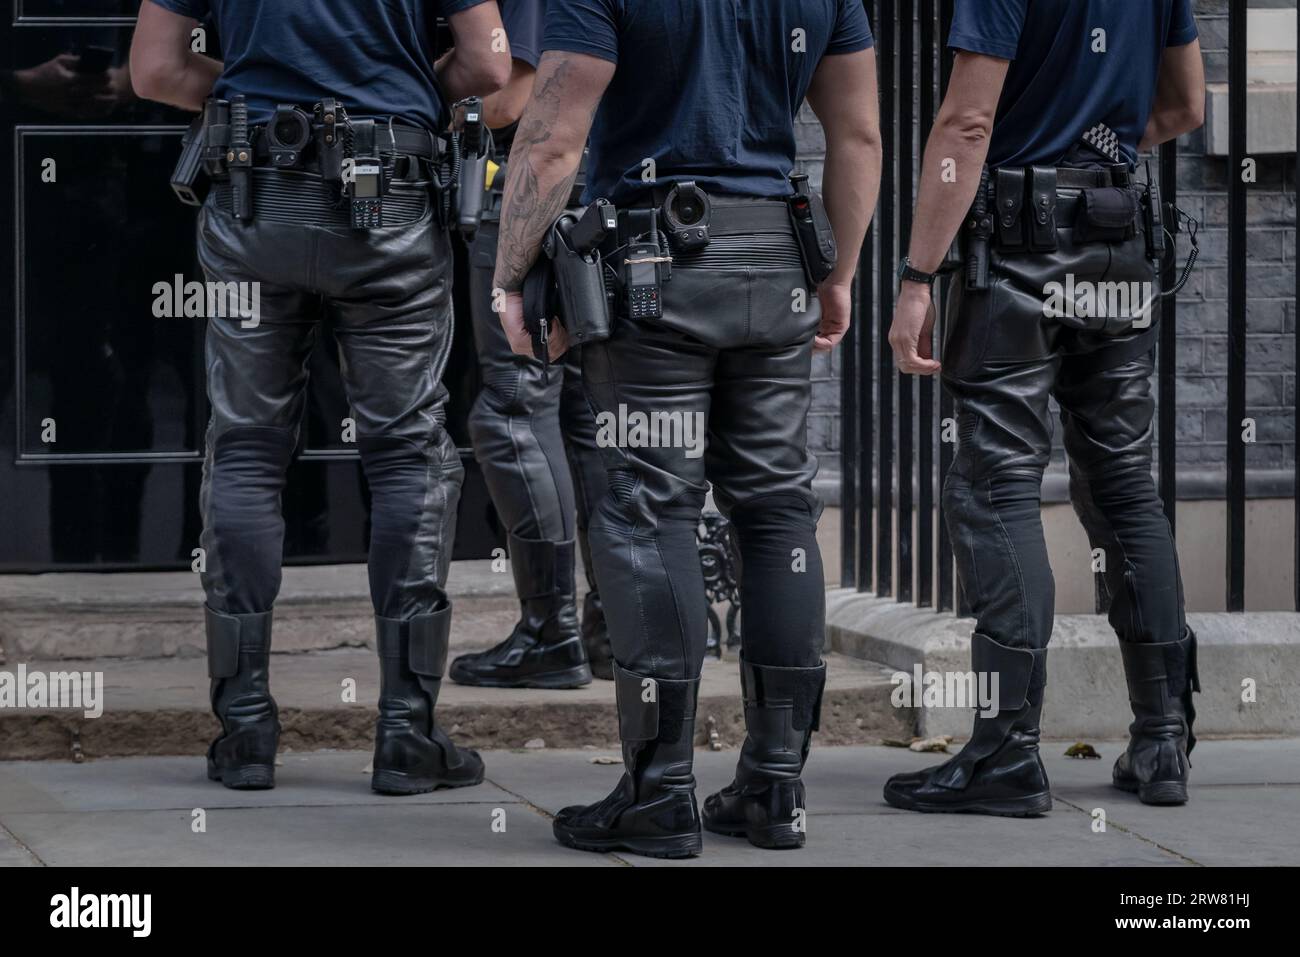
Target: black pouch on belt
x,y
1009,193
812,229
1042,209
1106,215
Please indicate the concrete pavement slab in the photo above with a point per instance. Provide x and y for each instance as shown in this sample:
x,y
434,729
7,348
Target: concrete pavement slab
x,y
140,811
416,834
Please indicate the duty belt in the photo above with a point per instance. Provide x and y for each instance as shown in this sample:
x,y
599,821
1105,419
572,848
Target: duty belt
x,y
404,141
744,233
304,199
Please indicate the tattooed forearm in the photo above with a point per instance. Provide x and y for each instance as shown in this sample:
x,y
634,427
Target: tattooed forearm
x,y
541,170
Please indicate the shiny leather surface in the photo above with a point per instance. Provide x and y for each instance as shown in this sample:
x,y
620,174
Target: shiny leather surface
x,y
766,796
534,438
999,770
387,295
731,353
653,809
545,648
241,699
1003,359
1161,679
412,754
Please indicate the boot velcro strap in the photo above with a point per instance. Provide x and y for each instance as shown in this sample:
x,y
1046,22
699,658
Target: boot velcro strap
x,y
430,636
1173,662
800,688
1019,670
638,705
228,635
533,563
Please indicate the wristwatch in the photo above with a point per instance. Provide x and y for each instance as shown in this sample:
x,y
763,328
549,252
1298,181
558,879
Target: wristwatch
x,y
908,273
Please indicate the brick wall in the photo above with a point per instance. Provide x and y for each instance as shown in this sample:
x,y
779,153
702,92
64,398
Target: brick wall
x,y
1202,306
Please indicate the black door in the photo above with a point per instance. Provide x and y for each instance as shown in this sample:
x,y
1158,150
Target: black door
x,y
102,407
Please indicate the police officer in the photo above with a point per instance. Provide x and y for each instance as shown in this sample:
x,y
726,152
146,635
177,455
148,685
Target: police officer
x,y
693,137
1057,97
522,423
387,292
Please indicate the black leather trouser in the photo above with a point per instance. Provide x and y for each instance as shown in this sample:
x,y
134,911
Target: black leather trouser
x,y
388,295
535,440
732,354
1003,359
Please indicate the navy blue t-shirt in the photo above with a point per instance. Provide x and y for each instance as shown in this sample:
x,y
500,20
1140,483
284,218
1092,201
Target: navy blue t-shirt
x,y
524,21
1060,83
375,58
707,89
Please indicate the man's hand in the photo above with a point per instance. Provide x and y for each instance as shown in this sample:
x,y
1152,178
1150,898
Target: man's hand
x,y
521,341
912,333
837,306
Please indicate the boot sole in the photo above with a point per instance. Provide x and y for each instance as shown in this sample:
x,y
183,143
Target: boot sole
x,y
1160,793
578,677
397,783
251,777
676,847
777,838
1033,805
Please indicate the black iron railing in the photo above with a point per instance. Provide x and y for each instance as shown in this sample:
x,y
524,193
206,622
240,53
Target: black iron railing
x,y
893,458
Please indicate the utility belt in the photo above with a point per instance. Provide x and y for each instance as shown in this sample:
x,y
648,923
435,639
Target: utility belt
x,y
1019,210
358,161
606,261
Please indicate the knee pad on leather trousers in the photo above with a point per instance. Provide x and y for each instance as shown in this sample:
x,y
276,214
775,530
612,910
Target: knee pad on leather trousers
x,y
779,511
249,460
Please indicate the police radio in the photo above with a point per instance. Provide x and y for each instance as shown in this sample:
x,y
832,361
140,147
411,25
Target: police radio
x,y
364,184
642,282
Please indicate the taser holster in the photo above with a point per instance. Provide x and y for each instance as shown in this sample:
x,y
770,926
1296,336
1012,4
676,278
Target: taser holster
x,y
581,298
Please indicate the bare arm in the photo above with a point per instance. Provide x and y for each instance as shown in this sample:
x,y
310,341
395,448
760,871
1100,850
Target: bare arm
x,y
955,155
844,96
543,165
1180,96
545,157
474,67
506,105
163,67
950,177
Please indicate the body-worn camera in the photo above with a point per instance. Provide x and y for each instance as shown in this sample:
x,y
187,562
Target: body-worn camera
x,y
287,135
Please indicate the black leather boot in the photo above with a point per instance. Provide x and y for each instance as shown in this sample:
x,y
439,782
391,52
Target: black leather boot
x,y
545,650
765,803
1161,679
652,812
412,754
239,651
999,771
595,630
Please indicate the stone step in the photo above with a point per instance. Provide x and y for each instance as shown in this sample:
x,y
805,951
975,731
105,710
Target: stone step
x,y
1249,666
159,614
160,706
